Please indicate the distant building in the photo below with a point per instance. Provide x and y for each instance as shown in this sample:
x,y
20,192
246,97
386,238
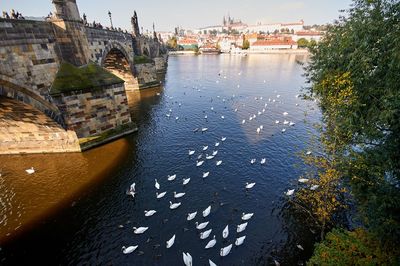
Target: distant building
x,y
187,44
263,45
276,27
308,35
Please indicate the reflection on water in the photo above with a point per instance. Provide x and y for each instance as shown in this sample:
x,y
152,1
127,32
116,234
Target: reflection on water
x,y
101,220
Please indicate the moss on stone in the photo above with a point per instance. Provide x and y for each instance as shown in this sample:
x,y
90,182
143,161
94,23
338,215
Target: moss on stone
x,y
142,59
85,78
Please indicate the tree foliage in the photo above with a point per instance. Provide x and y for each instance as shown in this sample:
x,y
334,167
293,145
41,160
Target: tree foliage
x,y
354,73
358,247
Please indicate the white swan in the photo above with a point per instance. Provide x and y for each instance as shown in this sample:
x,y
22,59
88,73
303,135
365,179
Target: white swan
x,y
201,226
132,187
205,117
289,192
207,211
199,163
30,170
204,129
314,187
139,230
191,152
178,195
303,180
171,241
149,213
205,234
258,130
300,247
132,193
211,243
185,181
214,153
225,232
171,177
187,259
225,251
222,117
308,152
173,206
285,122
216,144
243,121
223,138
130,249
283,130
240,240
276,121
162,194
247,216
263,160
241,227
292,123
211,263
209,157
250,185
252,161
218,162
191,216
205,174
285,113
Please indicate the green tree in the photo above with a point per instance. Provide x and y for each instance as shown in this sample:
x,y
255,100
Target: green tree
x,y
302,42
246,44
354,72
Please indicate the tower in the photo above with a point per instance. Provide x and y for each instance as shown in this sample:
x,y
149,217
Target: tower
x,y
70,32
135,25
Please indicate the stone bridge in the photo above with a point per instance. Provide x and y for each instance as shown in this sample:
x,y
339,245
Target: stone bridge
x,y
33,54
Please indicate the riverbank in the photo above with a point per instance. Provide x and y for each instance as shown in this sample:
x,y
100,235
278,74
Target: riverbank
x,y
246,52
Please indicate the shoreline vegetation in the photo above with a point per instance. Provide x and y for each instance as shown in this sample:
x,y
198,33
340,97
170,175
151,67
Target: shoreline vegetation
x,y
353,73
246,52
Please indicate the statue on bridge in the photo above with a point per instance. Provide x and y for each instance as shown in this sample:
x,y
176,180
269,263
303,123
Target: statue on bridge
x,y
135,25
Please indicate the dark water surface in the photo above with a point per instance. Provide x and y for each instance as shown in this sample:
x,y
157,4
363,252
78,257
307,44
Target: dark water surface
x,y
93,226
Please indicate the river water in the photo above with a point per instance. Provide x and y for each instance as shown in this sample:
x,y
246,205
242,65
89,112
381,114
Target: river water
x,y
75,209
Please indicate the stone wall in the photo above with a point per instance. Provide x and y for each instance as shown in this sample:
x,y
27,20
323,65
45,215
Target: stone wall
x,y
147,75
95,112
24,129
161,64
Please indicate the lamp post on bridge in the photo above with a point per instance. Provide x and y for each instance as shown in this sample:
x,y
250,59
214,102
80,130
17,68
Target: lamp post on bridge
x,y
109,14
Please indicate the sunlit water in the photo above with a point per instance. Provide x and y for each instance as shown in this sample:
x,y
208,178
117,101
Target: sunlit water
x,y
91,226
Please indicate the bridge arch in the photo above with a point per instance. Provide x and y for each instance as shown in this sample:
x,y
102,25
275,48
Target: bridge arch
x,y
11,89
116,60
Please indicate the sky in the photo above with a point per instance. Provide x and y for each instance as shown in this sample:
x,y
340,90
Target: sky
x,y
167,14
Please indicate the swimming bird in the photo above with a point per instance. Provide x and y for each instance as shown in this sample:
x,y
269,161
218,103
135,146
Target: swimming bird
x,y
216,144
171,177
199,163
201,226
225,251
205,174
214,153
179,195
283,130
132,193
285,122
211,243
130,249
207,211
285,113
276,121
314,187
308,152
132,187
289,192
218,162
204,129
225,232
191,216
171,241
173,206
185,181
205,148
139,230
200,156
168,115
223,138
263,160
205,234
240,240
261,127
205,117
149,213
243,121
303,180
211,263
156,184
187,259
209,157
300,247
252,161
250,185
30,171
247,216
292,123
222,117
241,227
162,194
191,152
258,130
